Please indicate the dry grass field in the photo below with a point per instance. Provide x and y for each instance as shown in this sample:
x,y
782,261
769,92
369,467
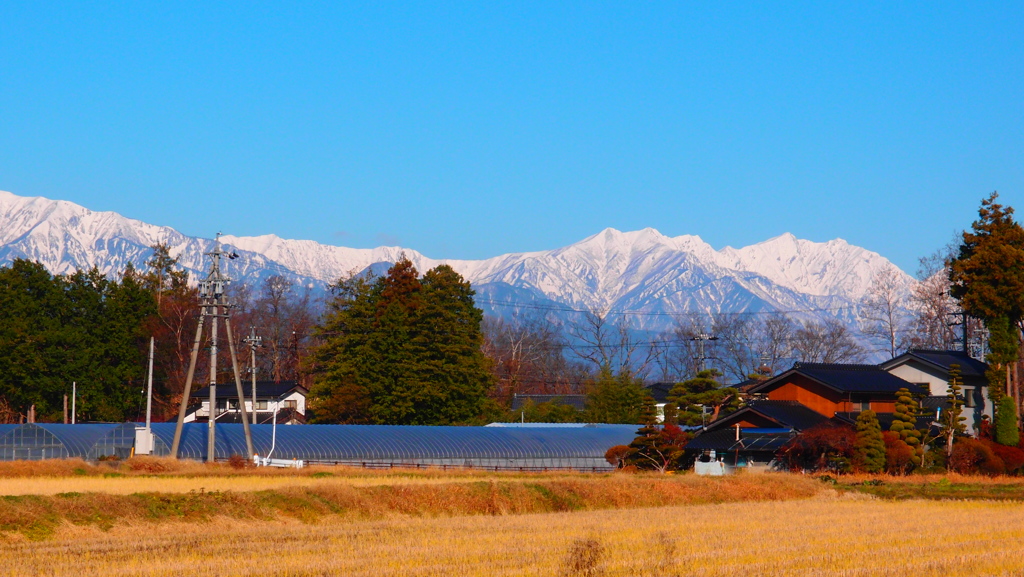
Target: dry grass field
x,y
851,535
163,517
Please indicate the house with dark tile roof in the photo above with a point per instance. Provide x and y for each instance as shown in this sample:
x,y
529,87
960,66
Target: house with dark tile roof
x,y
930,369
835,388
286,398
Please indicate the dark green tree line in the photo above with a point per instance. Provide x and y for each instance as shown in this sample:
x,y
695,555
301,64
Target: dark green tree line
x,y
83,327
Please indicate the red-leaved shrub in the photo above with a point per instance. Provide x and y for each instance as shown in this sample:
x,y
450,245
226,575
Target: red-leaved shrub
x,y
899,456
824,447
974,456
1012,457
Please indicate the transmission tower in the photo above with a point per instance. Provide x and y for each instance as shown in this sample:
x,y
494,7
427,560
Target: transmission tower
x,y
213,304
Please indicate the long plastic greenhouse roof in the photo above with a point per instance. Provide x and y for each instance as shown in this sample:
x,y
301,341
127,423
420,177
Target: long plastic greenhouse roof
x,y
397,443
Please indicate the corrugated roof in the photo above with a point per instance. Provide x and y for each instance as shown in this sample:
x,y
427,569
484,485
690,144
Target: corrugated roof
x,y
582,446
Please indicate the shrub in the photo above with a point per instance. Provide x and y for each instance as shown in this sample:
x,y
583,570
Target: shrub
x,y
899,456
824,447
617,455
1007,426
973,456
1012,457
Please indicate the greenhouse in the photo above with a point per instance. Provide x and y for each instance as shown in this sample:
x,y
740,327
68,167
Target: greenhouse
x,y
508,448
35,441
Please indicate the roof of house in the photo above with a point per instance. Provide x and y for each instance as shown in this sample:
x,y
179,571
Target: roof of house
x,y
579,402
885,420
788,414
660,390
969,366
264,389
725,440
842,378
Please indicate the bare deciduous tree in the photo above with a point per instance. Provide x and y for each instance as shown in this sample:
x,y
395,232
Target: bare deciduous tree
x,y
612,346
528,357
933,308
829,341
883,315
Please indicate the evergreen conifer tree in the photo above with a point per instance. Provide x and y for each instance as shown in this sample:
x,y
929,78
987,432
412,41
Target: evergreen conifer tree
x,y
951,422
870,446
904,423
615,399
401,350
703,391
1006,426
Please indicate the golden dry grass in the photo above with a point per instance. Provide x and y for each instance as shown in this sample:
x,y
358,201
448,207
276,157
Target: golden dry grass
x,y
36,516
828,535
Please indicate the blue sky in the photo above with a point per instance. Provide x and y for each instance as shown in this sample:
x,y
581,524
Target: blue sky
x,y
466,130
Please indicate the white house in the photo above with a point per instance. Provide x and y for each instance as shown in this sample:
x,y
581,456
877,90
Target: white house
x,y
931,369
288,398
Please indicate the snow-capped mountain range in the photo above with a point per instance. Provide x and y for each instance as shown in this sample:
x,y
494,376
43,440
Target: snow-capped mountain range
x,y
643,271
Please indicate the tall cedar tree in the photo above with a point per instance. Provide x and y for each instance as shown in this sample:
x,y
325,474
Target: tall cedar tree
x,y
904,424
400,350
951,422
81,327
702,391
869,450
987,279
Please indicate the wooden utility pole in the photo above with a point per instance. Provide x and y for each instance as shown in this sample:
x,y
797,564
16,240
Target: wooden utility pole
x,y
65,408
212,302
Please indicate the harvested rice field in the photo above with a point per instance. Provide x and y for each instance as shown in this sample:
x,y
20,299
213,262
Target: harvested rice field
x,y
164,517
831,534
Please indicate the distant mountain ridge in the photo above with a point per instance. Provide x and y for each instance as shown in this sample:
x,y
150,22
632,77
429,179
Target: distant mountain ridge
x,y
641,271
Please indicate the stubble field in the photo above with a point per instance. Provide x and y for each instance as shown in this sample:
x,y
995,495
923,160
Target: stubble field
x,y
351,522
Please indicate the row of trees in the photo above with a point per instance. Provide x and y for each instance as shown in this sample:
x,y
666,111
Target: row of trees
x,y
84,327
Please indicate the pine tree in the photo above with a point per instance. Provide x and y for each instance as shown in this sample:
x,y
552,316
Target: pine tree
x,y
951,422
703,391
656,448
870,446
904,423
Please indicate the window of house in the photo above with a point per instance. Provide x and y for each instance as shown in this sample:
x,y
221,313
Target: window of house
x,y
291,404
861,406
261,405
221,404
233,405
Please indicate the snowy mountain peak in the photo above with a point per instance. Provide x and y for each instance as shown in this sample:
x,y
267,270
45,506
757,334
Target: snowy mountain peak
x,y
640,270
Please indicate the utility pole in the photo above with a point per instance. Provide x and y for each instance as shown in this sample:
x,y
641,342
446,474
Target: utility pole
x,y
701,338
964,340
149,388
254,341
212,302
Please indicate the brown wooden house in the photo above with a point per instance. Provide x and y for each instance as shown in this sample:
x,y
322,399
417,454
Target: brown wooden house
x,y
831,389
